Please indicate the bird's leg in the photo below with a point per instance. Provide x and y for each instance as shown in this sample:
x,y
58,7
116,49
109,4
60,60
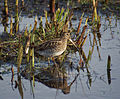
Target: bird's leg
x,y
54,61
55,67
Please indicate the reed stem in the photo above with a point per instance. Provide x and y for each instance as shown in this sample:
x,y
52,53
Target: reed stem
x,y
16,18
11,26
6,15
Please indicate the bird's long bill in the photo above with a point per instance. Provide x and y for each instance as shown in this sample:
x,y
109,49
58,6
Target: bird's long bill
x,y
74,44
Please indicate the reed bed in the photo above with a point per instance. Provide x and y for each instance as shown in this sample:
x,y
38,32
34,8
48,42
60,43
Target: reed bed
x,y
20,46
60,20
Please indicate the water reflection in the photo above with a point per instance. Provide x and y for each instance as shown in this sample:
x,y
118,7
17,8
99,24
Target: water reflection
x,y
52,77
109,69
20,86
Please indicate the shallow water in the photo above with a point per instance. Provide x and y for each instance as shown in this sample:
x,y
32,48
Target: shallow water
x,y
99,89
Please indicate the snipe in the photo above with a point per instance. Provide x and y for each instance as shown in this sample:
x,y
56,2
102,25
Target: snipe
x,y
54,47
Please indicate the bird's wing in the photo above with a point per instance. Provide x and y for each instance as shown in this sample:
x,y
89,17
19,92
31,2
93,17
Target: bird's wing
x,y
49,44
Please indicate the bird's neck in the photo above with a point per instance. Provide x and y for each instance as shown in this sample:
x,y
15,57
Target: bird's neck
x,y
64,39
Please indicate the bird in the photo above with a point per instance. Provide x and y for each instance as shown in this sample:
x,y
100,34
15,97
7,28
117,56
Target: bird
x,y
54,47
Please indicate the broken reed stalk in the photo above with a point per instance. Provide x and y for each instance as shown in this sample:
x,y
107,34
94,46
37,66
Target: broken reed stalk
x,y
83,41
52,9
35,25
20,87
32,60
25,33
30,29
46,18
89,57
78,29
80,39
81,52
98,52
32,42
16,18
98,31
6,7
41,28
106,1
11,26
27,40
93,45
33,39
82,34
33,80
95,10
32,50
22,3
6,15
12,70
27,48
96,44
19,58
